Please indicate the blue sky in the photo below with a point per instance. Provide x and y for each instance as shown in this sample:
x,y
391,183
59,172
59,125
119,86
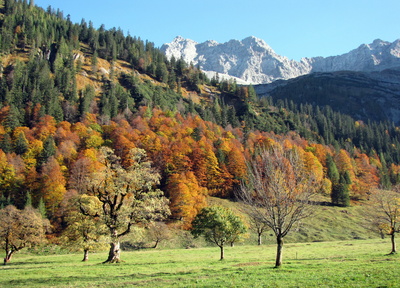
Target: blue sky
x,y
293,28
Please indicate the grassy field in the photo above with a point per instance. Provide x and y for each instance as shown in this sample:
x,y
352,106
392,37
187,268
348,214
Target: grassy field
x,y
349,263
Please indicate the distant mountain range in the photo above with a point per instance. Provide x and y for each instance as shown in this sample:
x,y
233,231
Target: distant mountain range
x,y
253,61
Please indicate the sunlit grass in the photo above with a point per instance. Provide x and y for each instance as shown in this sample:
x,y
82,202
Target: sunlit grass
x,y
355,263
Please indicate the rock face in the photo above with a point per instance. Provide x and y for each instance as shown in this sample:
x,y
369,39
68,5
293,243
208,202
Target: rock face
x,y
377,56
253,61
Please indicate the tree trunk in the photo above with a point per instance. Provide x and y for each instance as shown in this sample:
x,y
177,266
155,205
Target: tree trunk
x,y
259,239
85,255
8,257
279,243
394,250
222,252
114,254
156,244
232,244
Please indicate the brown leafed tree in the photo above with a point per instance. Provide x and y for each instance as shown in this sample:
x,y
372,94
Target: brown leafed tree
x,y
158,232
20,229
385,210
128,195
279,189
80,174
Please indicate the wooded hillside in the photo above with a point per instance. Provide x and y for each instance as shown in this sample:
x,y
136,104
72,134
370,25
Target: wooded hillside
x,y
67,89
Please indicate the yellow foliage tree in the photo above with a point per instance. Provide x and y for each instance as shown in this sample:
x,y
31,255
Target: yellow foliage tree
x,y
53,185
186,196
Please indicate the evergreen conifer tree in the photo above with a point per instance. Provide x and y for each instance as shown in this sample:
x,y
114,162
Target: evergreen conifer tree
x,y
340,192
21,144
6,143
332,171
49,149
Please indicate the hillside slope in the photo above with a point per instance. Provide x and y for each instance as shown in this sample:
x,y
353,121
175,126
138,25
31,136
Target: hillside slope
x,y
366,96
67,89
328,223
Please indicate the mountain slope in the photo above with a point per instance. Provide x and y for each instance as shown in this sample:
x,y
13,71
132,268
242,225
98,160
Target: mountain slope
x,y
362,95
253,61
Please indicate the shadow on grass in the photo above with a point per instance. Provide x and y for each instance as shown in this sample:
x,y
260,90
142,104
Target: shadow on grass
x,y
49,282
25,265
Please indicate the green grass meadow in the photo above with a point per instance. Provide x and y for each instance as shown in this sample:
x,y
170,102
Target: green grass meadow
x,y
348,263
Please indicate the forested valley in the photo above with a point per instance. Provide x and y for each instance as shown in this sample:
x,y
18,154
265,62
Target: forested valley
x,y
70,92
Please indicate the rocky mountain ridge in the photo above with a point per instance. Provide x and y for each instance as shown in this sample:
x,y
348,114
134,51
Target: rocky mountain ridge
x,y
252,60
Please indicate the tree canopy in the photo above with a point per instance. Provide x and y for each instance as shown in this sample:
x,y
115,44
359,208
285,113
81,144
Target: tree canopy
x,y
128,195
20,229
218,225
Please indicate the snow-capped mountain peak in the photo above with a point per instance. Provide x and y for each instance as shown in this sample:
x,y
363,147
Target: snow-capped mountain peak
x,y
182,48
253,61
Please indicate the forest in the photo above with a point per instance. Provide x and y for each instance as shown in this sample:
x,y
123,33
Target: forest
x,y
69,90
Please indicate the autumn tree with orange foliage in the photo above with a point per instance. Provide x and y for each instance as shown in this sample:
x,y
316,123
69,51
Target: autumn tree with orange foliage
x,y
187,198
53,186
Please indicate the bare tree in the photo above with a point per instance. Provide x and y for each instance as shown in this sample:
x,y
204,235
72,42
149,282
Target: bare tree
x,y
257,224
80,174
385,212
279,190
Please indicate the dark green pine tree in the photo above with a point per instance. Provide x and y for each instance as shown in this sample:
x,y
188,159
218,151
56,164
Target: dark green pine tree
x,y
13,119
340,192
86,97
49,149
252,94
232,117
42,208
4,201
384,173
21,144
332,171
162,72
28,202
105,108
6,143
172,80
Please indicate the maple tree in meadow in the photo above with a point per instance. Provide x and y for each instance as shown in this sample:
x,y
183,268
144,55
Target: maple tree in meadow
x,y
128,195
20,229
279,191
